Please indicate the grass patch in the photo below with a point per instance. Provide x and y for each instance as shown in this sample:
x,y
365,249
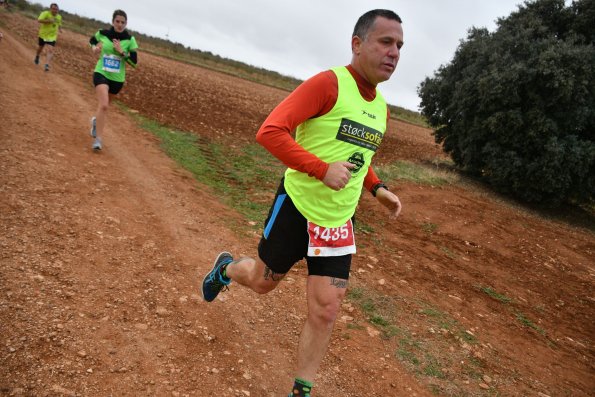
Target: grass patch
x,y
448,252
379,320
409,116
528,323
495,295
407,356
380,310
442,321
429,227
362,227
433,368
467,337
473,368
424,354
436,390
420,174
184,149
431,312
355,326
355,293
238,175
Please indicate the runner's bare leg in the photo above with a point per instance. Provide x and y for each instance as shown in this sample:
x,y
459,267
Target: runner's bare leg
x,y
324,295
49,54
254,274
103,99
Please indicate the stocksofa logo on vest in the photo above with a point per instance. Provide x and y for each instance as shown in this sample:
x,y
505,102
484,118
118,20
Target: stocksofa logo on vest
x,y
359,134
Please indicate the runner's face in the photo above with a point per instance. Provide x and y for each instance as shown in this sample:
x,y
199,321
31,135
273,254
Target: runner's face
x,y
119,23
378,55
54,10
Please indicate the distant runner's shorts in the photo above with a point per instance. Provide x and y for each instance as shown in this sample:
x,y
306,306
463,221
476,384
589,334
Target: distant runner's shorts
x,y
114,86
42,42
284,242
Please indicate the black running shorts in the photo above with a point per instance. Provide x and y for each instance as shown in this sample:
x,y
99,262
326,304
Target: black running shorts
x,y
284,242
42,42
114,86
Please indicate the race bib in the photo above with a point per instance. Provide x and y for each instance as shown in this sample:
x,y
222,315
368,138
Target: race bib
x,y
111,63
331,241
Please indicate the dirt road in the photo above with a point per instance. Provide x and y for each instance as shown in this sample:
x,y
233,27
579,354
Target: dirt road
x,y
101,254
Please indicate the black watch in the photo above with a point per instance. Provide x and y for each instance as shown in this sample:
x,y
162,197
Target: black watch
x,y
378,186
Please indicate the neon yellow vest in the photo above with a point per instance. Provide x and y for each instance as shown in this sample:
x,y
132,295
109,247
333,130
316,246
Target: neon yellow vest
x,y
49,31
352,131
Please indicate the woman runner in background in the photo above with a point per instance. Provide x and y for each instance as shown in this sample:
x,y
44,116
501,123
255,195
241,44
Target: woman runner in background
x,y
116,48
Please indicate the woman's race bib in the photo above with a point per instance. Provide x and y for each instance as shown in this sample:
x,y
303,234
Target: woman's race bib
x,y
111,63
331,241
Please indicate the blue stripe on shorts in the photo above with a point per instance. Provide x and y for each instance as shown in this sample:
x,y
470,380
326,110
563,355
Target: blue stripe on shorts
x,y
276,208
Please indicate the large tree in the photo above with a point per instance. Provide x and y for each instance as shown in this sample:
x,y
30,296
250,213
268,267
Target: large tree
x,y
517,106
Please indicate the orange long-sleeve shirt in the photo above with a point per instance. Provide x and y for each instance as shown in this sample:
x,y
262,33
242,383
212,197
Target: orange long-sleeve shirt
x,y
313,98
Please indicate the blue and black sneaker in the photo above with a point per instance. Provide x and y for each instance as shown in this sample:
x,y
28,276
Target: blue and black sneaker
x,y
214,281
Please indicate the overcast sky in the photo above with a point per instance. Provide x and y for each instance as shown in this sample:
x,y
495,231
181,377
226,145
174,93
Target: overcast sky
x,y
299,38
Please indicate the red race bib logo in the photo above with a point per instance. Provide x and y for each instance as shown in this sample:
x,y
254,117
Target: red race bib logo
x,y
331,241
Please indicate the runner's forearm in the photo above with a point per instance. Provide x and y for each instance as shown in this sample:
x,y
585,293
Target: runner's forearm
x,y
282,145
371,179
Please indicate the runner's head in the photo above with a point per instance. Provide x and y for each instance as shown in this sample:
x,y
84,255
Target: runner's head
x,y
54,8
119,20
376,45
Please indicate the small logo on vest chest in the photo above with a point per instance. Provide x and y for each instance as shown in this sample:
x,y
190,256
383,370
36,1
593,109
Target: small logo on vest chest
x,y
357,159
370,115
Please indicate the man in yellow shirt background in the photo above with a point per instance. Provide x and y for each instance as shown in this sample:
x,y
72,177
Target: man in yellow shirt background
x,y
50,22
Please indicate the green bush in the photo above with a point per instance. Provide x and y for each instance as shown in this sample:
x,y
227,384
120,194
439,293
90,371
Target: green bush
x,y
516,107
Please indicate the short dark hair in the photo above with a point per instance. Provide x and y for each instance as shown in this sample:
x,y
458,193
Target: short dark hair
x,y
365,22
54,4
120,13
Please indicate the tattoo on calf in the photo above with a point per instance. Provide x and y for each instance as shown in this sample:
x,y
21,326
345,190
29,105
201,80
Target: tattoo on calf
x,y
339,282
269,274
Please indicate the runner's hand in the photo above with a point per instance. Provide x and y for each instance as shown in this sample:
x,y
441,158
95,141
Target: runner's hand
x,y
117,46
390,201
338,175
97,48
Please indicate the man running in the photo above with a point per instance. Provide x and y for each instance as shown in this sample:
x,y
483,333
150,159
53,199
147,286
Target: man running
x,y
340,120
50,23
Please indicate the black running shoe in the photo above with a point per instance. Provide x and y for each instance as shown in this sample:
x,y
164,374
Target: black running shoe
x,y
214,281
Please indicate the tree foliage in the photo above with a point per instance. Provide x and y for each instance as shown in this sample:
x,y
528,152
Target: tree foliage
x,y
517,106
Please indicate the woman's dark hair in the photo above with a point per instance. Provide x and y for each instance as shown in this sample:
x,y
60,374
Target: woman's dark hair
x,y
365,22
120,13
